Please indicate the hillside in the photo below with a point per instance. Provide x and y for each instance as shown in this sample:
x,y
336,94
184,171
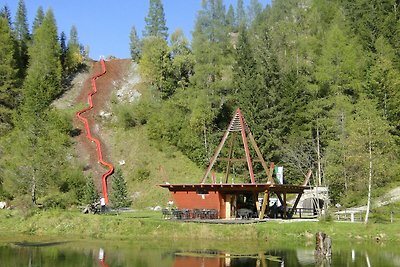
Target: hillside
x,y
144,162
144,165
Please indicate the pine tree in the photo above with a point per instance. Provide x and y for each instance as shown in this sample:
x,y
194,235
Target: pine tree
x,y
245,77
241,17
43,81
64,49
8,77
255,8
6,13
383,80
74,57
340,65
135,45
230,19
38,19
155,21
22,37
41,86
119,196
90,194
211,47
257,79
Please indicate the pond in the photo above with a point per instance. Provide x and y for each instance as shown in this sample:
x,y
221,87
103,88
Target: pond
x,y
46,252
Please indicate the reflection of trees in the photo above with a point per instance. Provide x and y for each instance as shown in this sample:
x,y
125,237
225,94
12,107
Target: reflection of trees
x,y
81,255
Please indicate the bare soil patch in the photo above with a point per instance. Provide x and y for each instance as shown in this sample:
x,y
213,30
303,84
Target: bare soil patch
x,y
86,151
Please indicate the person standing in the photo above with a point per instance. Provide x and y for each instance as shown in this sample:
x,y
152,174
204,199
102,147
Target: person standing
x,y
103,204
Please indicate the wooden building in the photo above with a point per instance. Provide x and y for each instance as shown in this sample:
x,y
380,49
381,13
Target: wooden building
x,y
233,200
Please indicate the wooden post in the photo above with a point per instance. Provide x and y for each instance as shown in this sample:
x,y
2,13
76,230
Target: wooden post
x,y
264,204
255,198
284,206
323,245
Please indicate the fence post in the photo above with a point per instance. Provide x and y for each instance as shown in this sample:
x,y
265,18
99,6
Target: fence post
x,y
391,216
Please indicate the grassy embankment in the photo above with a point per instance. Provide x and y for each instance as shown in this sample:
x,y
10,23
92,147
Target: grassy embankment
x,y
147,162
150,226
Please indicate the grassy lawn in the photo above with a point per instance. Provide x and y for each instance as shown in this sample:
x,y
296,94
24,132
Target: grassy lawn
x,y
148,225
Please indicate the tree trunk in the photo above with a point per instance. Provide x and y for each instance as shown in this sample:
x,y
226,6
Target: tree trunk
x,y
370,174
33,190
205,139
343,149
319,160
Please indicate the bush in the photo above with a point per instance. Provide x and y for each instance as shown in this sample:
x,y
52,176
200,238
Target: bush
x,y
132,115
141,174
58,200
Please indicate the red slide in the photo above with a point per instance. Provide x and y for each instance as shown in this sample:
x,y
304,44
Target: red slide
x,y
89,134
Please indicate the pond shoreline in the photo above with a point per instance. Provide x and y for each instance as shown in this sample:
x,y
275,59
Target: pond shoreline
x,y
146,225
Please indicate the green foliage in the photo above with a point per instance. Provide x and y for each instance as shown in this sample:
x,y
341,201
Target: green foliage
x,y
38,19
254,10
90,194
119,196
155,65
23,38
6,14
241,17
212,49
57,200
72,182
43,81
141,174
43,147
63,54
155,21
134,114
383,81
340,65
8,77
135,45
74,57
182,59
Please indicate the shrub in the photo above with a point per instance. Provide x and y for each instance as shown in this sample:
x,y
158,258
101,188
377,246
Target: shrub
x,y
141,174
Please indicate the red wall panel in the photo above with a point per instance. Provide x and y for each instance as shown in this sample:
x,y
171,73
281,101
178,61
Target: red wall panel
x,y
192,200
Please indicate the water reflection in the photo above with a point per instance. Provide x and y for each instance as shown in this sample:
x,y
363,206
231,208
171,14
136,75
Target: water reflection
x,y
220,259
102,258
142,254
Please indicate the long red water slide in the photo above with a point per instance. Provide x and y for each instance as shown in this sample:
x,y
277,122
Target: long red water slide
x,y
89,133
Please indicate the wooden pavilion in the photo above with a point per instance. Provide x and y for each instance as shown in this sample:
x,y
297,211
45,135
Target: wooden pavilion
x,y
230,200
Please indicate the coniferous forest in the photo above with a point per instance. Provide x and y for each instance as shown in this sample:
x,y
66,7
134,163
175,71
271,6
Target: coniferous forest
x,y
317,81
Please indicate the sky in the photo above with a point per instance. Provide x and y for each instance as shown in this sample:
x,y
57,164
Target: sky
x,y
104,25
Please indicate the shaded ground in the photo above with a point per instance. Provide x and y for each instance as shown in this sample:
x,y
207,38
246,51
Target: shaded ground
x,y
86,151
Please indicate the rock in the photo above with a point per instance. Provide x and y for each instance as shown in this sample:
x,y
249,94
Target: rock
x,y
157,208
104,114
3,205
121,162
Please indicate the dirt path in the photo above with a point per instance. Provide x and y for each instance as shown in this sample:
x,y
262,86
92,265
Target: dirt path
x,y
390,197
